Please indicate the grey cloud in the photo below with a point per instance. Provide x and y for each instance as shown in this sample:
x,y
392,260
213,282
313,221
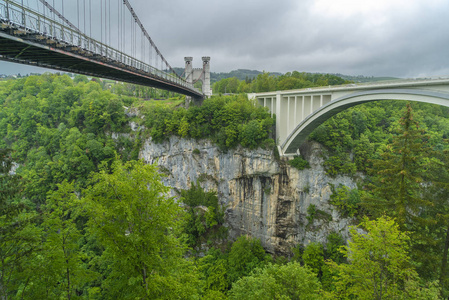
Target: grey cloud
x,y
288,35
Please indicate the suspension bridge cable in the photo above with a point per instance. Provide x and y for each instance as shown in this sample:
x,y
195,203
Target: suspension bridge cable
x,y
131,36
119,25
55,12
78,11
101,21
105,22
84,16
23,15
123,30
109,26
106,29
128,5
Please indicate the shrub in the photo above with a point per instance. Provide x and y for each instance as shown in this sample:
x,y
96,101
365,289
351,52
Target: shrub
x,y
299,163
346,200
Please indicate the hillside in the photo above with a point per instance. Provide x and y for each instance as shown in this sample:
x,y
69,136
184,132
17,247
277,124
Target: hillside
x,y
245,74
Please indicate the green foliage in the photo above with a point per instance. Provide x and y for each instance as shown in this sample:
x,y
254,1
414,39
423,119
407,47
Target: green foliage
x,y
265,82
299,163
379,265
396,186
339,164
334,243
313,257
58,267
315,213
290,281
131,216
214,268
396,149
246,254
205,217
60,129
19,236
363,152
311,212
228,121
129,92
356,136
434,253
346,200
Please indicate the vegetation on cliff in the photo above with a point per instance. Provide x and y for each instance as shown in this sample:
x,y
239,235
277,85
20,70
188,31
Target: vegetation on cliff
x,y
228,121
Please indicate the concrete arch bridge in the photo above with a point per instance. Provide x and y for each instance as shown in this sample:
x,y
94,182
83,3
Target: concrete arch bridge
x,y
299,112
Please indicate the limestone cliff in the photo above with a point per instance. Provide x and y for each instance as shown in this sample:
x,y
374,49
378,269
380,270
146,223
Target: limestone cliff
x,y
265,198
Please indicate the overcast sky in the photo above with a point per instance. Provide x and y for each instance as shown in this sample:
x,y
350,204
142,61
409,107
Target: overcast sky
x,y
400,38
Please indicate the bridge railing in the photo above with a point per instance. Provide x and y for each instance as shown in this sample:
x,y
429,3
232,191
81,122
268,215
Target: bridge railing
x,y
32,22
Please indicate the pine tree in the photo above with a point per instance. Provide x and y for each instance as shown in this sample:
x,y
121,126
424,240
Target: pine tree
x,y
397,190
396,178
439,191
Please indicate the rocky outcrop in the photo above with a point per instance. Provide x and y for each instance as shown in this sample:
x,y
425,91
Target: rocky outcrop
x,y
265,198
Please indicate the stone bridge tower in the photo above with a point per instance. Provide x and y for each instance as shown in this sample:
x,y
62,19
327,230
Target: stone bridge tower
x,y
193,75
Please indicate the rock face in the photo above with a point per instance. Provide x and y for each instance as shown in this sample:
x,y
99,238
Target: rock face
x,y
265,198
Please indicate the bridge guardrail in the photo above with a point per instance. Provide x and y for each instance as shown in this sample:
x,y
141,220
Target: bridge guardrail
x,y
33,22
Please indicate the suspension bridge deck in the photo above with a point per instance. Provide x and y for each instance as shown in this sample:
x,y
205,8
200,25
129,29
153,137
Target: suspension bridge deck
x,y
28,37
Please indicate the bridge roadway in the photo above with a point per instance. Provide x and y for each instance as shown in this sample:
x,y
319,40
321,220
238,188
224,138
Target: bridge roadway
x,y
299,112
28,37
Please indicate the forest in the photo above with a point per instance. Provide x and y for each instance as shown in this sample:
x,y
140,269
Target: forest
x,y
265,82
82,218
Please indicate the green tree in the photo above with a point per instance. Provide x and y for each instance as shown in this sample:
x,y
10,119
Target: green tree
x,y
396,188
379,266
213,268
246,254
204,218
19,236
313,257
290,281
137,224
346,200
333,245
363,152
437,262
58,267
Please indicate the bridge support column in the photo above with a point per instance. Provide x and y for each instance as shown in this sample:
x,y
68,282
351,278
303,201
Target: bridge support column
x,y
279,116
206,76
188,73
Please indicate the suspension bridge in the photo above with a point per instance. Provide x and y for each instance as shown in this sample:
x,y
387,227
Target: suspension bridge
x,y
101,38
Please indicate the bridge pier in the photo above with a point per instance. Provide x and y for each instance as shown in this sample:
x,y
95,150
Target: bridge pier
x,y
197,101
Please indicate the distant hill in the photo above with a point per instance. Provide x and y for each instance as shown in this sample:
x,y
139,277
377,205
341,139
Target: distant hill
x,y
243,74
240,74
361,78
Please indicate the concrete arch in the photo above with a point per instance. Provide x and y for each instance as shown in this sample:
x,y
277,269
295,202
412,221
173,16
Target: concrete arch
x,y
301,132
